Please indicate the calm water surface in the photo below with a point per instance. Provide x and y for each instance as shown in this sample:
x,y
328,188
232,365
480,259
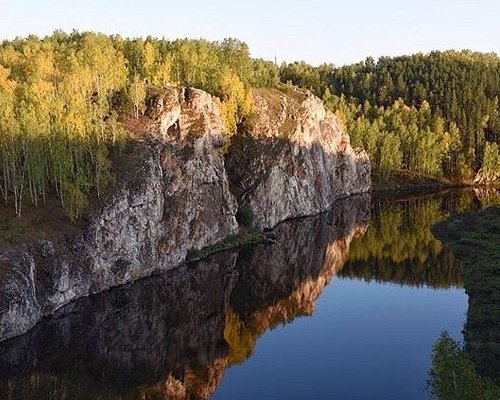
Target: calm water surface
x,y
347,305
364,341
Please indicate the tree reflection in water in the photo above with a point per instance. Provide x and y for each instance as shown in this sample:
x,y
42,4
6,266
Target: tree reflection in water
x,y
172,336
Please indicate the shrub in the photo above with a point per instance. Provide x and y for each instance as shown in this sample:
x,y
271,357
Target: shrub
x,y
245,215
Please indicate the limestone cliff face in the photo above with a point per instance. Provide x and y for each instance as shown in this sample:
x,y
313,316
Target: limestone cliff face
x,y
295,160
173,336
172,195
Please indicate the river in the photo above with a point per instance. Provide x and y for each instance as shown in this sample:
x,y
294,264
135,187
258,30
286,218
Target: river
x,y
344,305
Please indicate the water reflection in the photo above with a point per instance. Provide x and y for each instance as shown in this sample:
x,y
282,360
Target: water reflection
x,y
111,345
174,335
399,246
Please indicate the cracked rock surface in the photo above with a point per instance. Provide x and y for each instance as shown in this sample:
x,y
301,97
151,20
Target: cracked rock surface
x,y
173,195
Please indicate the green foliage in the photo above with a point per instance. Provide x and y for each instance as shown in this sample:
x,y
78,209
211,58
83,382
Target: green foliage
x,y
474,237
389,155
461,87
74,200
265,74
57,118
245,215
230,242
443,108
137,93
490,166
237,101
491,158
452,375
308,77
397,137
60,99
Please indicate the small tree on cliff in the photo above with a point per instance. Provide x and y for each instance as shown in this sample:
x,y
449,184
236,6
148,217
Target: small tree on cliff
x,y
137,92
490,167
237,101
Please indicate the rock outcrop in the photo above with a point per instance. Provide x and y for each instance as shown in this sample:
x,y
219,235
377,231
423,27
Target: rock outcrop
x,y
295,159
173,194
486,177
173,336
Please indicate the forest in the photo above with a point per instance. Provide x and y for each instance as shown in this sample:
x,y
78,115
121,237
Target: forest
x,y
433,114
63,99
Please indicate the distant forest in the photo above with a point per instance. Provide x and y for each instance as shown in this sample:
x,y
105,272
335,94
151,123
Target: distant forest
x,y
63,98
435,114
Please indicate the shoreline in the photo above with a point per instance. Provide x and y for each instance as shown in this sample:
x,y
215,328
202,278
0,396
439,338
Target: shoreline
x,y
474,238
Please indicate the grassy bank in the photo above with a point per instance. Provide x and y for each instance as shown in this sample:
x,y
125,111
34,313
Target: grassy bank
x,y
45,223
407,182
475,238
244,238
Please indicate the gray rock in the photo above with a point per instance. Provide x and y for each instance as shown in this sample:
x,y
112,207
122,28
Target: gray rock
x,y
169,336
296,159
175,196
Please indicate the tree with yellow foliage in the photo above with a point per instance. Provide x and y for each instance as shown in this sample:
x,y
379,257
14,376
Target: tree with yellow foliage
x,y
137,92
236,100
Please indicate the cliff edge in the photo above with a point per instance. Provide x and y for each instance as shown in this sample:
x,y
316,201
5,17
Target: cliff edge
x,y
294,160
179,188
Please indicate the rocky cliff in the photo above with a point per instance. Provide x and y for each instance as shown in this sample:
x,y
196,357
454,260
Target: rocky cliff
x,y
173,336
294,158
173,194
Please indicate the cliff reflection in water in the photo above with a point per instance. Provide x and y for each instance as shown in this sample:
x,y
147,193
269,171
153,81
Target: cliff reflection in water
x,y
173,336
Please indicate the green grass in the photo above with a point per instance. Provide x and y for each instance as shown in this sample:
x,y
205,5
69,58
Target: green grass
x,y
14,233
48,221
230,242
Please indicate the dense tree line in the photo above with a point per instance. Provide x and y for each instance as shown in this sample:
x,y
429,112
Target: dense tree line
x,y
56,117
434,114
61,98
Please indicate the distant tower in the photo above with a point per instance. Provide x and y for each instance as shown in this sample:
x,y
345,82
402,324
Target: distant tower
x,y
275,61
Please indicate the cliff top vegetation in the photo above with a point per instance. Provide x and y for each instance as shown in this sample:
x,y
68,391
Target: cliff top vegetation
x,y
69,100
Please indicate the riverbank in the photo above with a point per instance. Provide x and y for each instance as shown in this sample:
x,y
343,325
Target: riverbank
x,y
474,237
210,315
407,182
245,238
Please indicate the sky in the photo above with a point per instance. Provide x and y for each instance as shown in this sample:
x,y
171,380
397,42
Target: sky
x,y
317,31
